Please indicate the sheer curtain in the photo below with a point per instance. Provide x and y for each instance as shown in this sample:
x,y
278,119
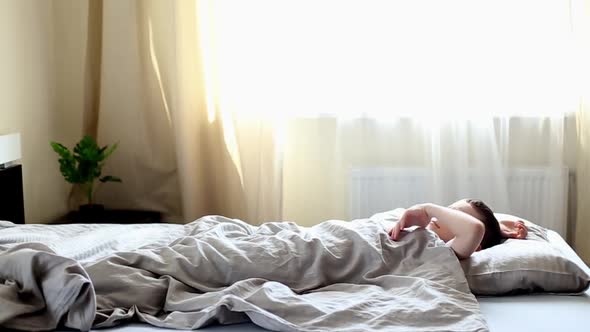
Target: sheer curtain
x,y
148,89
581,18
452,87
261,109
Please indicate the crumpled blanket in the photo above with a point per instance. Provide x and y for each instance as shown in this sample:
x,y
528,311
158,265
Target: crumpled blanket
x,y
337,275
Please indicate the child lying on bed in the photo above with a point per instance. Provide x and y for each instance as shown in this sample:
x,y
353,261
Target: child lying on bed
x,y
467,225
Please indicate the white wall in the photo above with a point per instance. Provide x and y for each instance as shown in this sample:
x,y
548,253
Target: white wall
x,y
30,103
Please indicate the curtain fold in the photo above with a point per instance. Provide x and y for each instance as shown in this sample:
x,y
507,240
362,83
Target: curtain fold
x,y
581,27
173,155
91,84
92,69
582,225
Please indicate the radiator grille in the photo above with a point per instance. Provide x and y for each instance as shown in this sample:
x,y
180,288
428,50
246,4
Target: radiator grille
x,y
536,194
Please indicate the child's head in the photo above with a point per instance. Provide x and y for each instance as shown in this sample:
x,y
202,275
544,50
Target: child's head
x,y
479,210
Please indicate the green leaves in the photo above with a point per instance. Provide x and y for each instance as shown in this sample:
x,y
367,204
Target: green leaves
x,y
106,151
84,164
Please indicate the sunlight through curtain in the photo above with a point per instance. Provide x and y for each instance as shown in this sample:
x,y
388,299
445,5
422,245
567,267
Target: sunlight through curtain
x,y
453,87
178,152
431,59
581,18
261,110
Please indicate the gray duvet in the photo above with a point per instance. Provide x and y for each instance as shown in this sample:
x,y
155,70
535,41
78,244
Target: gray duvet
x,y
336,276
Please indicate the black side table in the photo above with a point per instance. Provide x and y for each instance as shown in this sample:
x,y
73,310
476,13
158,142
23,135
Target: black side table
x,y
111,217
12,206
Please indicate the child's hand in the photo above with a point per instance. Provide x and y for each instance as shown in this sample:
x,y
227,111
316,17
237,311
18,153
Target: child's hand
x,y
414,216
515,229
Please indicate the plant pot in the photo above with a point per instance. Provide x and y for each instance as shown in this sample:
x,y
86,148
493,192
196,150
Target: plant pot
x,y
91,208
90,213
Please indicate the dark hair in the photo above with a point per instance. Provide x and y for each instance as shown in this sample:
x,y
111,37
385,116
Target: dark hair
x,y
492,235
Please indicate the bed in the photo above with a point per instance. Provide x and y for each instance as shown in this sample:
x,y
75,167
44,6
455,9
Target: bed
x,y
506,313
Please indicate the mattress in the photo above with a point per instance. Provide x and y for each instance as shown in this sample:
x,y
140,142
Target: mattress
x,y
509,313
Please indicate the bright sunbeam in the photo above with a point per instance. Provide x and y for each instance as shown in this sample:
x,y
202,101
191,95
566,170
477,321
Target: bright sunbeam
x,y
208,51
433,59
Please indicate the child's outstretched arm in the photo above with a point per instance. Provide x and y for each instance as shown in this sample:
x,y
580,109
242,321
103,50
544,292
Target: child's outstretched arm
x,y
468,231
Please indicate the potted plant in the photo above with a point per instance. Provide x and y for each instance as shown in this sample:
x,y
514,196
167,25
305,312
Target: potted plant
x,y
83,167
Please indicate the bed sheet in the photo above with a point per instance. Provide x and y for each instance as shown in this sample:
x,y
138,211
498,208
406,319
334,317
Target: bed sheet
x,y
90,242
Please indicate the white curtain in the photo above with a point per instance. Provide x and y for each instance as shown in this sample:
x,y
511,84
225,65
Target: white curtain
x,y
581,11
452,87
261,109
179,152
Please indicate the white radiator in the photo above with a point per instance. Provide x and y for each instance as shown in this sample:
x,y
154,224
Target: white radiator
x,y
536,194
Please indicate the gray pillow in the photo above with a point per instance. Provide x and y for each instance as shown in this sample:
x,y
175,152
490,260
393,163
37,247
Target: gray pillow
x,y
524,266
